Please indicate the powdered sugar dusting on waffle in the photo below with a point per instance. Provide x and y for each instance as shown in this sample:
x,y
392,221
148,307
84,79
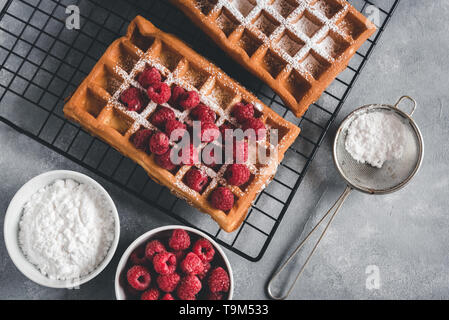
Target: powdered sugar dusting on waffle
x,y
247,11
174,78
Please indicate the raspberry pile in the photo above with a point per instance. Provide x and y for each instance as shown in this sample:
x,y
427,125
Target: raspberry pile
x,y
177,265
170,130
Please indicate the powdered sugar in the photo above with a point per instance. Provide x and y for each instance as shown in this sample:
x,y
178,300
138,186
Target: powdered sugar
x,y
66,229
376,137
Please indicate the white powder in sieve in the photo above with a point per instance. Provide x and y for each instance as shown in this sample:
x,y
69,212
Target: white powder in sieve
x,y
66,229
375,137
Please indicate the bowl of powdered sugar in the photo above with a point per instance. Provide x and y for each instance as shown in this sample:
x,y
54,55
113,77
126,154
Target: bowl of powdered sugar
x,y
61,229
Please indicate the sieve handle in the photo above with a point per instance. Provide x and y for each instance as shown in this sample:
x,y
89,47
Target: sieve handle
x,y
396,105
335,208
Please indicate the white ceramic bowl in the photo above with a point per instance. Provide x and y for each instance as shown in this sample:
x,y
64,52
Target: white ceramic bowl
x,y
119,290
14,213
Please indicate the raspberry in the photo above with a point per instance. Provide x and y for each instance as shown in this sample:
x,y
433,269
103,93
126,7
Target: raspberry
x,y
237,174
130,291
151,294
149,77
176,93
243,112
138,277
168,296
206,268
152,248
161,116
133,99
218,280
192,264
209,132
141,139
164,263
204,250
159,143
258,126
222,199
214,296
191,157
172,125
240,151
189,100
138,256
195,179
189,286
203,113
159,92
179,240
168,282
164,161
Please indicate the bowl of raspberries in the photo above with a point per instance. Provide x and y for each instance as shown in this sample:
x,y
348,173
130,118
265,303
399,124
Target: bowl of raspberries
x,y
174,263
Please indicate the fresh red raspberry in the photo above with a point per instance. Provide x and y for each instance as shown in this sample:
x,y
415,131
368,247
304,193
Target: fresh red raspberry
x,y
189,286
189,100
218,280
203,113
138,277
164,263
161,116
164,161
240,151
159,143
141,139
223,129
152,248
222,199
195,179
191,157
172,125
237,174
258,126
151,294
204,250
159,92
243,112
168,282
133,99
192,264
176,93
168,296
138,256
206,268
149,77
214,296
209,132
179,240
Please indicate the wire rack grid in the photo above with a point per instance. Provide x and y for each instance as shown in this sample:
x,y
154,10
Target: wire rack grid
x,y
42,62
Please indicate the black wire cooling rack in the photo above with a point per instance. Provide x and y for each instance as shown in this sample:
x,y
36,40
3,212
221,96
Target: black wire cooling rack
x,y
42,62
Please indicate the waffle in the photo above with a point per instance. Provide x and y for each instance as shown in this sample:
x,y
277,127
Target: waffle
x,y
96,106
297,47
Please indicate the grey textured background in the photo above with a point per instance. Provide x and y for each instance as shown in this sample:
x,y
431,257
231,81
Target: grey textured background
x,y
405,234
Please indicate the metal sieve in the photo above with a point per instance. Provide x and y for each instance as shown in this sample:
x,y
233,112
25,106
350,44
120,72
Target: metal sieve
x,y
391,177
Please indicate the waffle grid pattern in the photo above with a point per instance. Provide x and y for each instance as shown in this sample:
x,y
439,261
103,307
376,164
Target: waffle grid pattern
x,y
310,37
42,62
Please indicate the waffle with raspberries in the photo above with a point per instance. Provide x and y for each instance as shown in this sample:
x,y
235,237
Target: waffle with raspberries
x,y
297,47
149,84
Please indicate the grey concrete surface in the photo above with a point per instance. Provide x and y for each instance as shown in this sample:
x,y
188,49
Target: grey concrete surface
x,y
404,234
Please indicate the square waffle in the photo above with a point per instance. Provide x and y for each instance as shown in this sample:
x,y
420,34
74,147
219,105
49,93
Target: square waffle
x,y
297,47
97,107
